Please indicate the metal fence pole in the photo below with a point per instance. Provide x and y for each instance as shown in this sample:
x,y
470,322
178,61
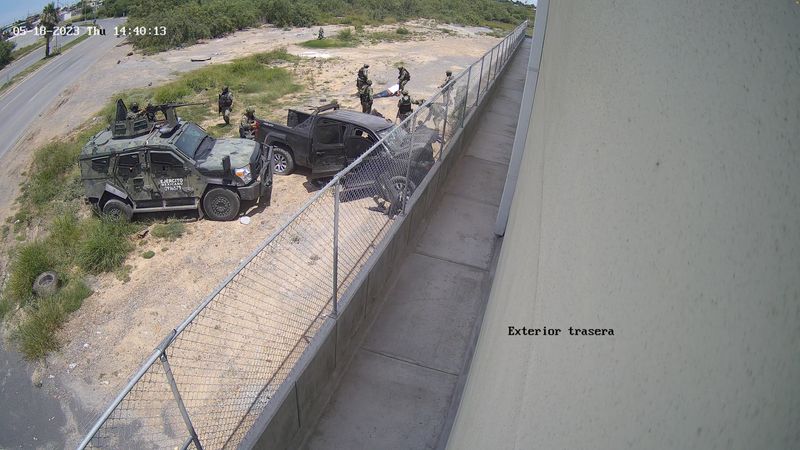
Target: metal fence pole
x,y
466,98
406,193
444,127
337,188
489,73
480,79
179,400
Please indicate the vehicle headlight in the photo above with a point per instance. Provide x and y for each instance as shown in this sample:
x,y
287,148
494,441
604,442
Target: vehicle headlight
x,y
244,174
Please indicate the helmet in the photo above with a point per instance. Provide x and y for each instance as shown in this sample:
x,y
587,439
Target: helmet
x,y
224,88
405,92
400,67
366,66
250,110
135,106
448,72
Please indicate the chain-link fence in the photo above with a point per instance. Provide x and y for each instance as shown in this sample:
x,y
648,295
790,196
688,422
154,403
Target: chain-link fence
x,y
207,382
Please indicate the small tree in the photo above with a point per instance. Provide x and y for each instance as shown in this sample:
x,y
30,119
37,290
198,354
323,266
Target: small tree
x,y
49,20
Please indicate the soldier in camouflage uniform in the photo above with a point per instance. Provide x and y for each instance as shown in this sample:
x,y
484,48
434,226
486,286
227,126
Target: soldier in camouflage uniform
x,y
404,105
362,77
225,104
321,34
365,94
246,126
447,85
403,77
134,111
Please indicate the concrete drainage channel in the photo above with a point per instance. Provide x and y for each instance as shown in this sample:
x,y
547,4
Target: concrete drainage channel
x,y
294,410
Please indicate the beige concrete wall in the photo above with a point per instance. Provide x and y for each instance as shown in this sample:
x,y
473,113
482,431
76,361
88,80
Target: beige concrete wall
x,y
659,196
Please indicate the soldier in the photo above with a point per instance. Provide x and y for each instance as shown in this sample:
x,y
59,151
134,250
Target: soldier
x,y
366,97
247,125
150,112
403,77
362,77
134,111
321,34
447,84
225,104
404,105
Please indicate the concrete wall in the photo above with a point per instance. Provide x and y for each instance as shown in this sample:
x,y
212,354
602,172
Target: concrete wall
x,y
294,410
659,195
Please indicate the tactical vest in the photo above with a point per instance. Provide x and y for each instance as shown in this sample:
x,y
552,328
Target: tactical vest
x,y
404,105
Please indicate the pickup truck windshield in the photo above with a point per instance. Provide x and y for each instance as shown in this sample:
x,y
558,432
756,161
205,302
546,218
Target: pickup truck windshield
x,y
192,138
395,138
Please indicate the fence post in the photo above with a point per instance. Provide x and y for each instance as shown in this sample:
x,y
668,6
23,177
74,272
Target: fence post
x,y
466,98
406,194
444,127
336,192
489,73
480,79
178,399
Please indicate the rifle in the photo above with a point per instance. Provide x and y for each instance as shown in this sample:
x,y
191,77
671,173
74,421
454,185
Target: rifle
x,y
169,110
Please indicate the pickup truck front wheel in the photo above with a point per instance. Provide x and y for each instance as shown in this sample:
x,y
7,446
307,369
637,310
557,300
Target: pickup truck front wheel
x,y
282,161
221,204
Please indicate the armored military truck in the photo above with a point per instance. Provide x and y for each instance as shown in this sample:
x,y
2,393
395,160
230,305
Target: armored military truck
x,y
141,164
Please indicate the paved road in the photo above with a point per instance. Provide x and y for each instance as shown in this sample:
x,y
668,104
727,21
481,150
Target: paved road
x,y
22,104
34,418
26,61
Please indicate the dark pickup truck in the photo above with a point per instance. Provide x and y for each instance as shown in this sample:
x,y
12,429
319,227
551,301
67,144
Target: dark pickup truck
x,y
329,139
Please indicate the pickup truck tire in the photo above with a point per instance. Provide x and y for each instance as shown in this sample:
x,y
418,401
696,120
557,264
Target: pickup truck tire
x,y
117,209
282,161
395,190
221,204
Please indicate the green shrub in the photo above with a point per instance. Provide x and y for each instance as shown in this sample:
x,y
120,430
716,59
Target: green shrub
x,y
36,334
345,35
169,231
105,245
402,30
148,254
29,260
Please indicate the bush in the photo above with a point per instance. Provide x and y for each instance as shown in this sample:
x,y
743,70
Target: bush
x,y
105,246
6,48
169,231
345,35
403,30
36,334
28,262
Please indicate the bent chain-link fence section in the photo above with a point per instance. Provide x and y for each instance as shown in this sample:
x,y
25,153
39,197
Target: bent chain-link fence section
x,y
207,382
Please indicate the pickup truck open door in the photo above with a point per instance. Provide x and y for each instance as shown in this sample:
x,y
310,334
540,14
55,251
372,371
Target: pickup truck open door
x,y
328,147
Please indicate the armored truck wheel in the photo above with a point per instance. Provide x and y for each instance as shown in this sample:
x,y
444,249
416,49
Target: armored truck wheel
x,y
283,163
221,204
117,209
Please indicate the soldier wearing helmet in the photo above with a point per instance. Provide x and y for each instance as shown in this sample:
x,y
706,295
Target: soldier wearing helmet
x,y
403,77
134,111
404,105
447,84
247,126
225,104
362,76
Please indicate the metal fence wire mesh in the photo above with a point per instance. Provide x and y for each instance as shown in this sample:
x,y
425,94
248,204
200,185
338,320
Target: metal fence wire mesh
x,y
209,380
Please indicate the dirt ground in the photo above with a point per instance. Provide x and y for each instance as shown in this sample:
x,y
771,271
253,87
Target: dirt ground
x,y
121,323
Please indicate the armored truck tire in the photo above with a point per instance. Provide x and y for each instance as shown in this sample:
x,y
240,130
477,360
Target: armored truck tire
x,y
221,204
282,161
117,209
